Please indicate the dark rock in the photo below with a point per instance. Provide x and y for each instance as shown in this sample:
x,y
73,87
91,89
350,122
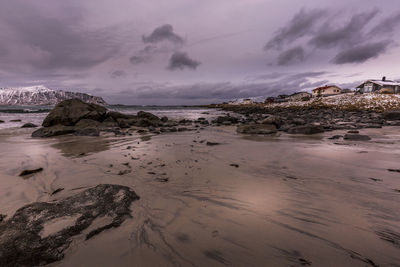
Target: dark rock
x,y
117,115
212,143
234,165
222,119
1,121
164,119
391,115
24,241
58,190
144,122
28,172
69,112
353,132
85,123
2,217
123,123
53,131
147,115
89,131
162,179
276,120
356,137
335,137
257,129
109,122
15,120
306,129
394,170
29,125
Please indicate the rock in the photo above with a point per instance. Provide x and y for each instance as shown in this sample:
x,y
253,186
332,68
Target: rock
x,y
257,129
164,119
162,179
109,123
335,137
306,129
394,170
116,115
276,120
85,123
123,123
89,131
58,190
234,165
53,131
222,119
212,143
15,120
391,115
2,217
28,172
29,125
1,121
356,137
69,112
353,132
147,115
28,238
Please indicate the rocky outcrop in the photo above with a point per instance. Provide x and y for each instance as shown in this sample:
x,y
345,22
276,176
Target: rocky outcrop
x,y
31,237
257,129
80,118
70,112
29,125
391,115
356,137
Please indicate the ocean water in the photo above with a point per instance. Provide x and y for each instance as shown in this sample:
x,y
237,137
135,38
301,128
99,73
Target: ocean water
x,y
36,114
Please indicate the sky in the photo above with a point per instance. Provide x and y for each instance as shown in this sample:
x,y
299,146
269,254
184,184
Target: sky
x,y
185,52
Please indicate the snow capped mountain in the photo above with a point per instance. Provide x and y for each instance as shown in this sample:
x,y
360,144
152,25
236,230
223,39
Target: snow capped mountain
x,y
41,95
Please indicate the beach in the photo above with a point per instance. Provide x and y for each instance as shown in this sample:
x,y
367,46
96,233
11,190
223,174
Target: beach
x,y
215,197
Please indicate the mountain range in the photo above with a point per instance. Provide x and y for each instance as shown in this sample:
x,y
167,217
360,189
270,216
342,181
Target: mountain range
x,y
41,95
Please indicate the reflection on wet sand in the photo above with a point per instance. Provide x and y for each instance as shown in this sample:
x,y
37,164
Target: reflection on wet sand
x,y
290,201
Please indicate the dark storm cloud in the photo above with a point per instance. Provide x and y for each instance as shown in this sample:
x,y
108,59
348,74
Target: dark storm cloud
x,y
144,55
348,34
163,33
291,56
387,26
37,38
300,25
180,60
361,53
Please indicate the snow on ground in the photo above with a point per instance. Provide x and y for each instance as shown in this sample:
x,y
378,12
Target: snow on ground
x,y
371,101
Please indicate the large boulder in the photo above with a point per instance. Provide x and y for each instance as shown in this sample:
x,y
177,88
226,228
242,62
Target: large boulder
x,y
257,129
69,112
116,115
33,236
53,131
224,119
306,129
272,119
87,123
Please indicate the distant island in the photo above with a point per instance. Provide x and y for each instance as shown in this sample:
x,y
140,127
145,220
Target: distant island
x,y
41,95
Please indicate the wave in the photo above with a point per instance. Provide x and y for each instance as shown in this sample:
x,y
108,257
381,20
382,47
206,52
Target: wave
x,y
24,110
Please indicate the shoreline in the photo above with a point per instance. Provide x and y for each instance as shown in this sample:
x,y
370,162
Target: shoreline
x,y
209,212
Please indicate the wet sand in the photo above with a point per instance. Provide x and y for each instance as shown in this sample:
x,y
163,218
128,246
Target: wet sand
x,y
291,201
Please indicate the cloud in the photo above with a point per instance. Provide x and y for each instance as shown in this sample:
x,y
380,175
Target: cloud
x,y
349,34
291,56
361,53
180,60
118,74
163,33
387,26
300,25
47,42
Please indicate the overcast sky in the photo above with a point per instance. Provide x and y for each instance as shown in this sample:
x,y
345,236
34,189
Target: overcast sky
x,y
195,52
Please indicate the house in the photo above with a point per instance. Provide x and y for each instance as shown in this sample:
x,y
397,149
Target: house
x,y
379,86
326,90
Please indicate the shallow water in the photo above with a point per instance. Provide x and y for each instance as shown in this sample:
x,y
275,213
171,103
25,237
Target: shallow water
x,y
292,201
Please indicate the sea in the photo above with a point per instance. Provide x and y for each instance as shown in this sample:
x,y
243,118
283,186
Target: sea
x,y
16,116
